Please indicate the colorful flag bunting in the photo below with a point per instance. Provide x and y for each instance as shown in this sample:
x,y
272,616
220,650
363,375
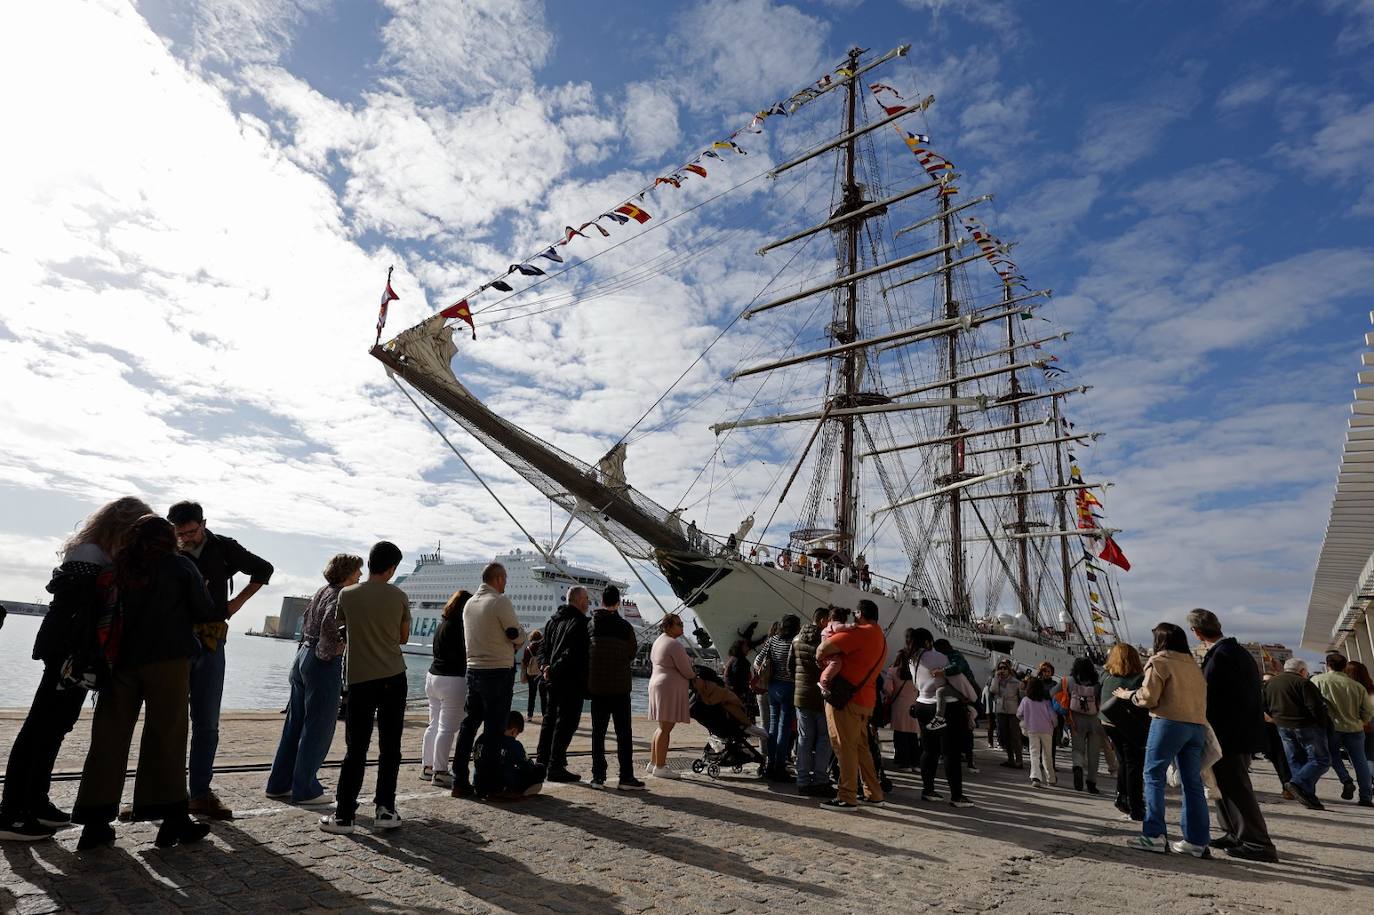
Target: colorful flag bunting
x,y
1113,554
695,169
729,144
462,312
570,232
525,269
552,255
710,152
634,213
594,225
669,180
500,285
621,220
388,296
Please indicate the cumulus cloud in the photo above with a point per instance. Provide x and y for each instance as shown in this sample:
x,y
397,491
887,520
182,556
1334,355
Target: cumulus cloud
x,y
650,120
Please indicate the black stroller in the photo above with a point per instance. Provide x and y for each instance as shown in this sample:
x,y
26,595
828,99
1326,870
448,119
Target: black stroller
x,y
728,745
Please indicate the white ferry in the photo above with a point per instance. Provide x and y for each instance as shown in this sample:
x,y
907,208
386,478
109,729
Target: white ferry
x,y
535,586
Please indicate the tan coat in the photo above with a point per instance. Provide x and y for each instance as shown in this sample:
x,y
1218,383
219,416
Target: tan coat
x,y
1173,688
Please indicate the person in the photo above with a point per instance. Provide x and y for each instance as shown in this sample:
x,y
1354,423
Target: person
x,y
1036,714
782,712
1125,670
493,635
1174,691
839,619
813,737
312,712
1046,672
218,558
1234,711
668,698
929,669
958,664
862,649
81,588
1007,692
1350,710
519,777
900,695
1274,751
161,597
377,616
1297,707
737,677
987,704
446,688
564,662
1085,727
532,674
1360,674
609,656
760,673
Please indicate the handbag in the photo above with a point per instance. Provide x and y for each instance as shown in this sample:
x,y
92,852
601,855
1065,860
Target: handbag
x,y
1124,714
842,691
761,674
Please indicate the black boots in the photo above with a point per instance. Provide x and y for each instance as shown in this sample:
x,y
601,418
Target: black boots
x,y
180,830
1078,778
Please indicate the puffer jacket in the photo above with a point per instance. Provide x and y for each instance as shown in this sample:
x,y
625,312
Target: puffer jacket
x,y
564,649
611,652
806,673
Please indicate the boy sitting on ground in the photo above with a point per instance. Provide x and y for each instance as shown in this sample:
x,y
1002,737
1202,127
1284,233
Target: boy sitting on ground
x,y
519,776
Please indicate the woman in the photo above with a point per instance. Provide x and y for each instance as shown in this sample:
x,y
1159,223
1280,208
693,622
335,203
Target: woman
x,y
668,700
1084,725
928,671
761,670
1125,670
532,673
782,713
737,676
447,691
316,680
81,588
1174,691
1360,674
161,596
899,692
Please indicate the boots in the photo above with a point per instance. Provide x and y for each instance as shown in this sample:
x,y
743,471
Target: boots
x,y
1078,778
1092,788
180,830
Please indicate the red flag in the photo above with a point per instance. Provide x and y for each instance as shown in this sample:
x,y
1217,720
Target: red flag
x,y
695,169
461,311
388,296
1112,553
634,213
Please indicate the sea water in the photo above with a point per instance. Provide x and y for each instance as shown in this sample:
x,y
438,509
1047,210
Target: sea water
x,y
256,671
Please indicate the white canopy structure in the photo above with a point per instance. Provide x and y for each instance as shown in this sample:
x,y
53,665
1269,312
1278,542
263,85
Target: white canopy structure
x,y
1339,612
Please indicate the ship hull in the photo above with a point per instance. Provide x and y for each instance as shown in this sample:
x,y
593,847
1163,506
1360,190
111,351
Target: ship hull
x,y
727,595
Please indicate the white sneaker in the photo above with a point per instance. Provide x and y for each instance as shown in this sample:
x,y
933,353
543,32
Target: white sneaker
x,y
649,769
321,800
1144,843
279,796
337,825
443,779
386,819
1184,847
426,773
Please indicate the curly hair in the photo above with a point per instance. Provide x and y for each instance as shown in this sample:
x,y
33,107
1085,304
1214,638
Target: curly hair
x,y
108,527
338,569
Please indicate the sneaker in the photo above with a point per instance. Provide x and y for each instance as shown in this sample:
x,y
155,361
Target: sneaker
x,y
649,769
1305,798
534,789
1145,843
386,818
597,784
427,774
936,724
1036,783
825,791
1223,843
971,769
50,815
1250,853
460,789
278,795
838,805
634,784
210,807
442,779
865,802
961,801
665,772
1184,847
1365,802
319,800
28,830
1347,791
563,775
1288,794
337,825
931,796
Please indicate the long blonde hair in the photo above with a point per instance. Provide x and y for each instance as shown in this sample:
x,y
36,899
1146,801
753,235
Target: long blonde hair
x,y
109,526
1124,661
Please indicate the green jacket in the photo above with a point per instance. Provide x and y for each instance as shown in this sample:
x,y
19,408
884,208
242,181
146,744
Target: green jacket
x,y
1350,706
1294,702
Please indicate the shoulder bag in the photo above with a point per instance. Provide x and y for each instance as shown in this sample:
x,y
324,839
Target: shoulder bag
x,y
842,691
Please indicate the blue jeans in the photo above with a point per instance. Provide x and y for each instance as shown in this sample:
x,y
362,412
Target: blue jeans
x,y
207,690
1181,740
1307,754
487,706
782,714
311,716
813,748
1353,741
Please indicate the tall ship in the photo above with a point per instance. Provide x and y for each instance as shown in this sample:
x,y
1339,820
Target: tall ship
x,y
895,372
536,586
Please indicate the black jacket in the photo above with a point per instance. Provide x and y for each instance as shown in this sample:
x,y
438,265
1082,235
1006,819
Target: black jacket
x,y
221,559
610,654
565,649
1235,708
80,592
158,617
450,649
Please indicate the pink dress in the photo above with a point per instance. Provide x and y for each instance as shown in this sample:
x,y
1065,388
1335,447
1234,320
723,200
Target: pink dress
x,y
668,699
901,705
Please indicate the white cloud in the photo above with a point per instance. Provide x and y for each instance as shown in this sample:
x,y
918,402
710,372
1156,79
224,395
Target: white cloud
x,y
650,120
243,31
1358,31
1251,90
1117,134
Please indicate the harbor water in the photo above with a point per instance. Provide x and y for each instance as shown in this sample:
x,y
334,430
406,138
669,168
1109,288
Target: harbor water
x,y
256,671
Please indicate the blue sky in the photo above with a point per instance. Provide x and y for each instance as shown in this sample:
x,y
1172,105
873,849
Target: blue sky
x,y
212,194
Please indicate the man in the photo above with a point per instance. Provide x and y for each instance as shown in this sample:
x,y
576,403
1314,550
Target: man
x,y
565,671
610,653
1350,708
377,616
1298,710
862,649
813,737
1236,714
493,634
1007,693
219,559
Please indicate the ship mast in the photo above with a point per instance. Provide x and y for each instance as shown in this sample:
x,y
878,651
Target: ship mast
x,y
1061,506
848,331
1018,481
958,592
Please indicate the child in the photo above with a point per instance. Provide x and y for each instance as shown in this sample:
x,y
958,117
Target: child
x,y
520,777
1038,718
830,667
953,688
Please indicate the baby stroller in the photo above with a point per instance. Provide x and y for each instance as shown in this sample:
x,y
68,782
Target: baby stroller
x,y
721,712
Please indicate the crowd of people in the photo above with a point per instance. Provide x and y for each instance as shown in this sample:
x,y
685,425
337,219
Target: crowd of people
x,y
139,618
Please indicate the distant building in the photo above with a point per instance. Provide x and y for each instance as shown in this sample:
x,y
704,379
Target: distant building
x,y
291,616
1269,657
24,608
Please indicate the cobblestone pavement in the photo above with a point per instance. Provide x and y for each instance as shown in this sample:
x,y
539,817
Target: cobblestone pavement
x,y
695,845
